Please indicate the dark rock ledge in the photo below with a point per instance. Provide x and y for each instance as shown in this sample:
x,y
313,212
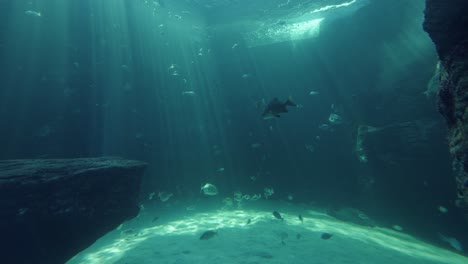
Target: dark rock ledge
x,y
446,21
51,209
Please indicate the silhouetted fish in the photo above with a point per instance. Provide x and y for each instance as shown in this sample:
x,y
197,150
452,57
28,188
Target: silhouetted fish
x,y
208,234
326,236
274,108
277,215
300,218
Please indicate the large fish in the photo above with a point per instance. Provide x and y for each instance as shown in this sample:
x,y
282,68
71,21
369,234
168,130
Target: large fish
x,y
275,107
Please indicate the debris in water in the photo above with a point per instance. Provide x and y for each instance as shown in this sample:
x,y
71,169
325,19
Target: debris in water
x,y
267,192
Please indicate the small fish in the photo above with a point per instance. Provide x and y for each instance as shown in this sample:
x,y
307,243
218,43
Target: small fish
x,y
208,234
298,236
234,46
209,189
452,241
314,93
33,13
164,196
300,218
335,119
188,93
128,232
255,145
277,215
442,209
397,228
155,219
326,236
249,221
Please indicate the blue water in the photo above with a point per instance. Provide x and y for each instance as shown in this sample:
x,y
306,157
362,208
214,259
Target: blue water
x,y
179,84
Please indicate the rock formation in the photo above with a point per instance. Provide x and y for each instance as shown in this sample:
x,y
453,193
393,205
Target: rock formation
x,y
52,209
446,21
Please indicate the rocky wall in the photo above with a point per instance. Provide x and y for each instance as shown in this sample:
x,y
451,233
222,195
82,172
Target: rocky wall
x,y
51,209
446,21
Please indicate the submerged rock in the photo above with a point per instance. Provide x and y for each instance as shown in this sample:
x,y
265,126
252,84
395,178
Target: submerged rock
x,y
51,209
446,23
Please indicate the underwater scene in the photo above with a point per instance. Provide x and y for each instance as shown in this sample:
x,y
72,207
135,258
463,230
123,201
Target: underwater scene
x,y
224,131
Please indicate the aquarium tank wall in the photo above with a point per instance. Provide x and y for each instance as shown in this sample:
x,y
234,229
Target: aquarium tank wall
x,y
233,131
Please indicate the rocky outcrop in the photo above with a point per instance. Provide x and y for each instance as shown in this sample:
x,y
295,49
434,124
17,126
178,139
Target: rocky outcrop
x,y
52,209
446,21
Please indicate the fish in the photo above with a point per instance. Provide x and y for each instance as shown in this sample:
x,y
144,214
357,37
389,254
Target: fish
x,y
452,241
164,196
275,107
326,236
442,209
208,234
300,218
249,221
209,189
33,13
277,215
255,145
314,93
188,93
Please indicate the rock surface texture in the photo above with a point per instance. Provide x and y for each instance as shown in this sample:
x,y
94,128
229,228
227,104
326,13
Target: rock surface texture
x,y
50,209
446,21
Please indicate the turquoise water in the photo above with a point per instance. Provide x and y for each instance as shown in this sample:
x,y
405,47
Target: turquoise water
x,y
183,85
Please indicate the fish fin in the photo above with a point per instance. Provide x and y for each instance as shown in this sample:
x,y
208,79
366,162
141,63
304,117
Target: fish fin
x,y
290,102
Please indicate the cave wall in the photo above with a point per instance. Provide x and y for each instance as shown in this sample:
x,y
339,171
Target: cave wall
x,y
446,21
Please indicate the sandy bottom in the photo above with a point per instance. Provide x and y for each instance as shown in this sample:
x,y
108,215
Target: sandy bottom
x,y
174,237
